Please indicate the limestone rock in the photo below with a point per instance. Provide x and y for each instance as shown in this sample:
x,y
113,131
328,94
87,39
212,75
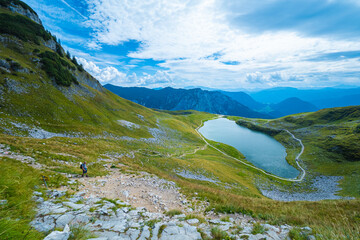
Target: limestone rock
x,y
180,233
74,205
43,225
57,235
64,219
192,221
26,12
145,234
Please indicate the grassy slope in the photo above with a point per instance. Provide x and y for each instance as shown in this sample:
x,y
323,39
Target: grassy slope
x,y
92,112
332,143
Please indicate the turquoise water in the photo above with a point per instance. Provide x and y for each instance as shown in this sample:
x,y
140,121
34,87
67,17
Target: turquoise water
x,y
260,149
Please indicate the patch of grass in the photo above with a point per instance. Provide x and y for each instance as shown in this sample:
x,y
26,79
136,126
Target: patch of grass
x,y
225,219
238,229
17,181
218,234
161,229
297,234
151,223
192,216
204,236
230,209
258,229
173,212
231,151
80,232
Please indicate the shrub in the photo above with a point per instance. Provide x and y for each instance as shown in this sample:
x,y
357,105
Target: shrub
x,y
68,55
357,129
59,50
74,61
56,67
15,65
80,68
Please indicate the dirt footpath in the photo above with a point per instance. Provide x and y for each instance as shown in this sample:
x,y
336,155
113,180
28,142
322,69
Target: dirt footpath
x,y
138,189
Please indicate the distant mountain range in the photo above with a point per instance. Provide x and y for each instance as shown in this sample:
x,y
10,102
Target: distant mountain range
x,y
183,99
270,103
288,106
321,98
291,106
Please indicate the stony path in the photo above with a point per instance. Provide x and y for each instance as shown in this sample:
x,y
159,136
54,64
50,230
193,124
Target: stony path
x,y
195,151
140,189
299,155
6,152
115,220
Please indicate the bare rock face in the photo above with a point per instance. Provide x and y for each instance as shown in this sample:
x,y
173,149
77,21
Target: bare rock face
x,y
50,44
26,12
90,81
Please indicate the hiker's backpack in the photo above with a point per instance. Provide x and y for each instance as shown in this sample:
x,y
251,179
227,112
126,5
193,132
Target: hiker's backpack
x,y
81,166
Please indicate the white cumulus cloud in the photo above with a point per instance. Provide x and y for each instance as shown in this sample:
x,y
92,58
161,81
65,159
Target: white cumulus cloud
x,y
187,34
114,76
106,74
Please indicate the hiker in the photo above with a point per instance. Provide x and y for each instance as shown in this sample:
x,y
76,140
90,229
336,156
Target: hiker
x,y
84,169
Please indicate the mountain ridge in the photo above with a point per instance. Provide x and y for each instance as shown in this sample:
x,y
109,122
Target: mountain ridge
x,y
184,99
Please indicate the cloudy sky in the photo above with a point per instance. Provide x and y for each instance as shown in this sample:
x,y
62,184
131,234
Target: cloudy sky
x,y
224,44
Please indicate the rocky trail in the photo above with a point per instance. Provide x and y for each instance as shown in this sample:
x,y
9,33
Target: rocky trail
x,y
141,189
115,219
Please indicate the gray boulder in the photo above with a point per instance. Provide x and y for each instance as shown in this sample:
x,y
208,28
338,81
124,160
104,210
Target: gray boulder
x,y
64,219
43,225
145,234
180,233
57,235
193,221
74,205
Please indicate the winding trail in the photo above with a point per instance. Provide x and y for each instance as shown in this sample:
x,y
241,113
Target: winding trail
x,y
298,179
193,152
